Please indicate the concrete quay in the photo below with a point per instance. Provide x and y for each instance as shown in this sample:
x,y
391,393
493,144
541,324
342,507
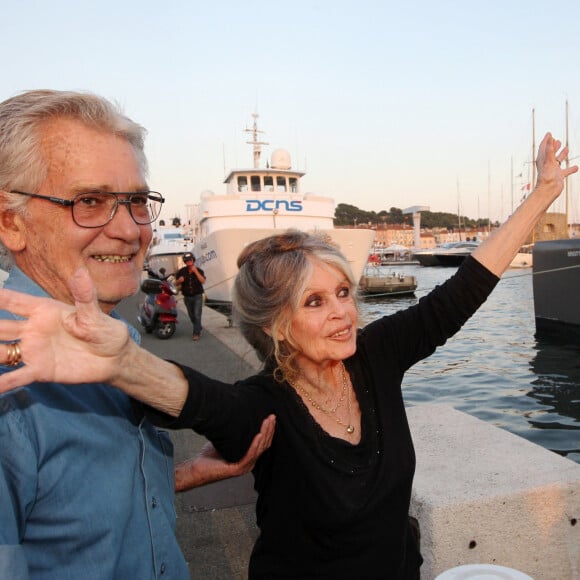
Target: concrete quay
x,y
481,494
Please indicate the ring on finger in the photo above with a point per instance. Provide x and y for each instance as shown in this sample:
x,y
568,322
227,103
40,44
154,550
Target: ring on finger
x,y
13,354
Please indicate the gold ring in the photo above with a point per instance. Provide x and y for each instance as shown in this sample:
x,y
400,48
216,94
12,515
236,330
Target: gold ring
x,y
13,354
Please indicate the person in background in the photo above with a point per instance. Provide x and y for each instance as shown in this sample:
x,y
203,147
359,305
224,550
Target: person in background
x,y
86,481
335,486
191,279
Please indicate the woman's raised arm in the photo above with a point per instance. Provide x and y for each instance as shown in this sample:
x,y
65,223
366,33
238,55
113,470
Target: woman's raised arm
x,y
78,344
497,252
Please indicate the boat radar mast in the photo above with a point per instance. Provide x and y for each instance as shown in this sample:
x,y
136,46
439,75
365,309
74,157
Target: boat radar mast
x,y
256,144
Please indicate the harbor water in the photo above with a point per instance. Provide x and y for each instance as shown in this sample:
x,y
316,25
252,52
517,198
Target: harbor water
x,y
495,368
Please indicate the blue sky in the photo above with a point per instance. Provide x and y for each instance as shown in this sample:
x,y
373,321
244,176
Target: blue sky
x,y
384,104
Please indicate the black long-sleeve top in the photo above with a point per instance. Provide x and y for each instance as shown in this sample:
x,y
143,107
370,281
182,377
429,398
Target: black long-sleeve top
x,y
326,508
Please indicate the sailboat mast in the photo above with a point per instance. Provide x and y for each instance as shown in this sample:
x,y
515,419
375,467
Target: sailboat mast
x,y
533,184
458,210
489,197
567,166
512,181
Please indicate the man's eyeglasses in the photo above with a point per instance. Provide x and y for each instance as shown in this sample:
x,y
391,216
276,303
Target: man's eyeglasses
x,y
96,209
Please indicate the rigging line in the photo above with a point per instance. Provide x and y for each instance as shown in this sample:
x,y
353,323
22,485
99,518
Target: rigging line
x,y
365,296
521,275
562,269
210,286
427,290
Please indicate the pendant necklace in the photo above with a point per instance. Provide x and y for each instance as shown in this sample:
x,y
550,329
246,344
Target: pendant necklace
x,y
332,412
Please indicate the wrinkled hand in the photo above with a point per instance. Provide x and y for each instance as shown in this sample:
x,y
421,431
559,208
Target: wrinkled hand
x,y
209,466
59,342
548,163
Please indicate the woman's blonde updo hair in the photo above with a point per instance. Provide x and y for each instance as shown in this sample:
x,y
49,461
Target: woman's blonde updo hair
x,y
273,273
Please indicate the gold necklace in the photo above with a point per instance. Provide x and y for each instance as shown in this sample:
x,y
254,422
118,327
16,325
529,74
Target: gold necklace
x,y
332,412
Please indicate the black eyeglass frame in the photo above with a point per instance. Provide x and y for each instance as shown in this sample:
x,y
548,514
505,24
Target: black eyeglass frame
x,y
151,195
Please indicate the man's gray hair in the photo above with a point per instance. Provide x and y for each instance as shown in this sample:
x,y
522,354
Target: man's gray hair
x,y
22,116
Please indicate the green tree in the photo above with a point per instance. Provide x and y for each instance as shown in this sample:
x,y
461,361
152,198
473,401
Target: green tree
x,y
350,215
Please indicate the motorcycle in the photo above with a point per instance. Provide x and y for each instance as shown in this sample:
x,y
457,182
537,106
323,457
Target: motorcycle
x,y
158,312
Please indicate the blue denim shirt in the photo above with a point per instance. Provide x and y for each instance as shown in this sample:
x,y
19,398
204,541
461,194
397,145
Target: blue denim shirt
x,y
86,483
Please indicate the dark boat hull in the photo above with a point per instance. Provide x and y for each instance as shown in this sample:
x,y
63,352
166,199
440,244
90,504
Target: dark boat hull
x,y
450,260
441,259
449,254
426,259
556,284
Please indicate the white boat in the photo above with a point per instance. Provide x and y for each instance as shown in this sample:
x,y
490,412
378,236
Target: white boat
x,y
395,254
448,254
259,202
167,248
524,258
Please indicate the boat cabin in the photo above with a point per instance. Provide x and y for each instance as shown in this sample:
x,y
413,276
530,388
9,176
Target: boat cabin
x,y
277,178
267,183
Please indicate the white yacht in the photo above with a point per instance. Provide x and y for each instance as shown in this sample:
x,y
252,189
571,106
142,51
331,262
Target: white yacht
x,y
524,258
167,247
258,202
447,254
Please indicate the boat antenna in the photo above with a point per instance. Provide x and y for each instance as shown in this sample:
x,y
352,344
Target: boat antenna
x,y
254,142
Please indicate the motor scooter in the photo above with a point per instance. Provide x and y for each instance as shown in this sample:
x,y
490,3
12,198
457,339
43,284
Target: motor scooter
x,y
158,312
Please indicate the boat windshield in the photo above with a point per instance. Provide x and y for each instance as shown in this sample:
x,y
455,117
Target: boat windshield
x,y
268,183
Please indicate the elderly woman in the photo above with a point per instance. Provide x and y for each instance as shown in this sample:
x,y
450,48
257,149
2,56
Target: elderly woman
x,y
335,486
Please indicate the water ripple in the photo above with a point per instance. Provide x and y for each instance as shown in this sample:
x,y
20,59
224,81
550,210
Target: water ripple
x,y
495,368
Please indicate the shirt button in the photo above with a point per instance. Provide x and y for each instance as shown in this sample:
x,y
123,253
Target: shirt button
x,y
154,502
162,569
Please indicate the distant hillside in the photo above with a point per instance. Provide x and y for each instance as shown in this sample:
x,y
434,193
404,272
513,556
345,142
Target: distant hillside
x,y
348,215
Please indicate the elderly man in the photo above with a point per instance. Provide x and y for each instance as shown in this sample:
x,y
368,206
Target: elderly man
x,y
86,483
